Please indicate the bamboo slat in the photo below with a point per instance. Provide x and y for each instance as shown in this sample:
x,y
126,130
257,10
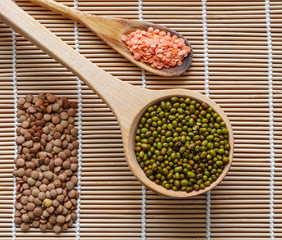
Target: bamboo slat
x,y
111,200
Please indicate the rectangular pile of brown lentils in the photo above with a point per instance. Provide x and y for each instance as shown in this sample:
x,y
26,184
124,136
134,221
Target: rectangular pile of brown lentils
x,y
46,165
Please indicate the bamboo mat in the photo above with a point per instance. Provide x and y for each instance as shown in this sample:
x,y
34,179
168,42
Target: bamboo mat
x,y
237,61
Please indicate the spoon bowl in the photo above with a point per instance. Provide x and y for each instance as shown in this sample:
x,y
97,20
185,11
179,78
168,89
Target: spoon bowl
x,y
166,72
126,101
129,142
110,31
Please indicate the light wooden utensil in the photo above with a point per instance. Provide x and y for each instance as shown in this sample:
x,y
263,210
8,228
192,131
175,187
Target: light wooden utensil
x,y
126,101
110,31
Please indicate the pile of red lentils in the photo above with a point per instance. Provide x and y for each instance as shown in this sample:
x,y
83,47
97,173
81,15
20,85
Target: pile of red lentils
x,y
157,48
47,163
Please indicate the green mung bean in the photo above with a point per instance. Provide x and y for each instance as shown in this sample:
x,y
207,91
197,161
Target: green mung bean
x,y
182,144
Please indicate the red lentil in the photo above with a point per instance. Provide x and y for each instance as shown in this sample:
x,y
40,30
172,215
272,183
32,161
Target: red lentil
x,y
157,48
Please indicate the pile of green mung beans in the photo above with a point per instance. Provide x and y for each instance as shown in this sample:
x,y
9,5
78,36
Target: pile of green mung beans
x,y
182,144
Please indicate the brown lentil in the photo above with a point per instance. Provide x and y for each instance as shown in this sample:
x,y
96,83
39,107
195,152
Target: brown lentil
x,y
24,227
20,140
24,200
46,163
37,201
20,162
35,224
57,229
18,220
25,218
34,175
43,227
70,185
30,206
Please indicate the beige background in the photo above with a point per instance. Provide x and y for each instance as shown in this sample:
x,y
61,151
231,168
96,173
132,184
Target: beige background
x,y
111,196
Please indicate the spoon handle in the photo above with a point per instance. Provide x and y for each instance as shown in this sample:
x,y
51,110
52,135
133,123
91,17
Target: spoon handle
x,y
62,9
117,94
110,30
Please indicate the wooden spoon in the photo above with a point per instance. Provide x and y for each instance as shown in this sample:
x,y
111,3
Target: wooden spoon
x,y
126,101
111,29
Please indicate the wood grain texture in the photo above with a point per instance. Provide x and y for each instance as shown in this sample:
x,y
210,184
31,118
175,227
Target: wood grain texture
x,y
238,83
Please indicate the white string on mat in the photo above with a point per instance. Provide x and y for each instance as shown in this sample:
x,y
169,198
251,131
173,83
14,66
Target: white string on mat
x,y
143,213
144,191
206,46
79,137
15,91
140,10
271,120
206,61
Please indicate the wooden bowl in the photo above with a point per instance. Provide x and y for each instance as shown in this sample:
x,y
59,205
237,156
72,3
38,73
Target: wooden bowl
x,y
138,171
